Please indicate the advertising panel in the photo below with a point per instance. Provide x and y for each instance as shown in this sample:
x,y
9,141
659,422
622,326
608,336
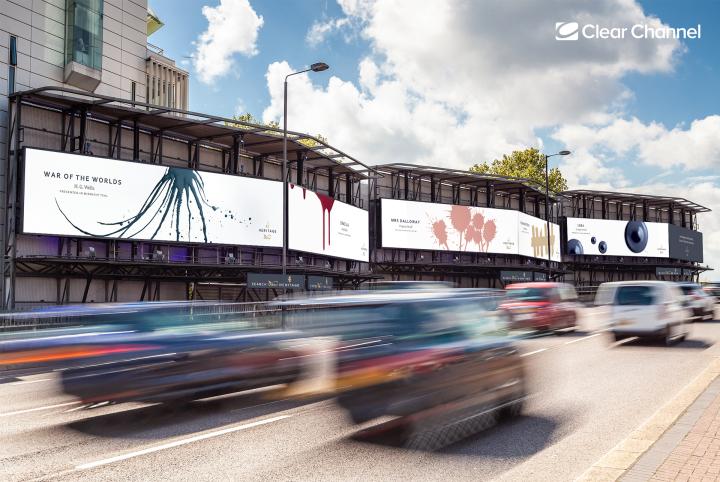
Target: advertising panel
x,y
321,224
532,237
616,238
421,225
267,280
73,195
685,243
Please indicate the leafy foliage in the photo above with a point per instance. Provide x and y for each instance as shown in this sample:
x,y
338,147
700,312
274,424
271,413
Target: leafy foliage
x,y
251,119
527,164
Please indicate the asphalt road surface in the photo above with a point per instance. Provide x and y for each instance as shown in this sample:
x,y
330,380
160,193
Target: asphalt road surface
x,y
589,393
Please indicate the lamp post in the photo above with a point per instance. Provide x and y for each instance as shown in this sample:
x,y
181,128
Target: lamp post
x,y
316,67
547,207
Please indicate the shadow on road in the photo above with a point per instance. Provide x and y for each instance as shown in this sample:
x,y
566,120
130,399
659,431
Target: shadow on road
x,y
501,440
161,421
504,440
692,343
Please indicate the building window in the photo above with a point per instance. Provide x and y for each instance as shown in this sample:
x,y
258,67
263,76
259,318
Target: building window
x,y
12,64
132,91
83,32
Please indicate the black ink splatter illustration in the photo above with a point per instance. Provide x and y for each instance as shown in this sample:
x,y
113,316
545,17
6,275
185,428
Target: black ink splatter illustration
x,y
178,189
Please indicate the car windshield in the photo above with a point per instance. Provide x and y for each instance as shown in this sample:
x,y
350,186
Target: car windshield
x,y
634,295
528,294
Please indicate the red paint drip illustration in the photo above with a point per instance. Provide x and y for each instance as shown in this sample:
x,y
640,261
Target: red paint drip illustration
x,y
326,203
292,186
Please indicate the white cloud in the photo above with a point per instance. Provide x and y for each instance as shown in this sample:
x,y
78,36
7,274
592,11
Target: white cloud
x,y
232,28
319,31
693,148
454,82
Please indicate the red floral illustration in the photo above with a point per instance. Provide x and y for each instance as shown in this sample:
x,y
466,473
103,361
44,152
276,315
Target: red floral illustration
x,y
440,231
489,233
478,220
460,220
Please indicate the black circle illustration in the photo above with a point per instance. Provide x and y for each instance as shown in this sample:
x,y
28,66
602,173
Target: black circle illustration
x,y
574,246
602,247
593,240
636,236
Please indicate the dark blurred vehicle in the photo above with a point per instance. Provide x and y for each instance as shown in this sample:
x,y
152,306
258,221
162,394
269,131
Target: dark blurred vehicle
x,y
430,359
713,289
408,285
161,352
700,303
541,306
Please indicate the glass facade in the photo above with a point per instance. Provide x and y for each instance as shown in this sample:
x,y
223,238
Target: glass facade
x,y
84,32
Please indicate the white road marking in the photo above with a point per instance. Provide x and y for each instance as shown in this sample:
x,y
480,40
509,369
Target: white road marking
x,y
37,409
583,338
534,352
25,382
178,443
625,340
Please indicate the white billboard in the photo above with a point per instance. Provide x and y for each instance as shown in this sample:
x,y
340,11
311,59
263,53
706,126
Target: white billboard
x,y
72,195
532,237
604,237
445,227
320,224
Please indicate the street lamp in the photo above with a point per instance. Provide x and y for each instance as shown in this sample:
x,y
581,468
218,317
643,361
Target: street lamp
x,y
316,67
547,207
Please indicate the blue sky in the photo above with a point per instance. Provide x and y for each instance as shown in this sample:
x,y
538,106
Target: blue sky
x,y
688,93
450,83
282,37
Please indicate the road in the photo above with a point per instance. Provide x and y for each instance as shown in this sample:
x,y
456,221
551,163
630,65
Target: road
x,y
588,395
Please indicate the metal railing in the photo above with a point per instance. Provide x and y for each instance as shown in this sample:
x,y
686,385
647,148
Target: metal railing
x,y
250,314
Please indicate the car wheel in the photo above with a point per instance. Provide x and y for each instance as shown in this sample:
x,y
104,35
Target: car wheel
x,y
513,409
668,336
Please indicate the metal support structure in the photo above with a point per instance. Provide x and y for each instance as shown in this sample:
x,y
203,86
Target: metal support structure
x,y
547,218
136,140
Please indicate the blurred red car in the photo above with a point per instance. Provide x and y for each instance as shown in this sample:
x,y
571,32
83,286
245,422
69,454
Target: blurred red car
x,y
541,306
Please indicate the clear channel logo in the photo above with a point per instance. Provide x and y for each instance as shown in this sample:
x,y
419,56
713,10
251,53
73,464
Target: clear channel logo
x,y
574,31
566,30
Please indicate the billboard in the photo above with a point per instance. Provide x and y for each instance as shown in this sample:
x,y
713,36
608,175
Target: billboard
x,y
685,243
323,225
532,237
606,237
72,195
421,225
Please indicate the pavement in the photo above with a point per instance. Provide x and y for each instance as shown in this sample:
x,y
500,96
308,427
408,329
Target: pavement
x,y
589,395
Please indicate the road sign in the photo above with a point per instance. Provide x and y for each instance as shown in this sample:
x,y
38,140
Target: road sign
x,y
265,280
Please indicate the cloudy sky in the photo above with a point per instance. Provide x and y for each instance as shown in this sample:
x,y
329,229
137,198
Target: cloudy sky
x,y
454,82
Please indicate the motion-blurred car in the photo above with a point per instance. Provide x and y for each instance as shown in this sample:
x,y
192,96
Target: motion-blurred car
x,y
430,359
541,306
713,289
161,352
701,304
645,309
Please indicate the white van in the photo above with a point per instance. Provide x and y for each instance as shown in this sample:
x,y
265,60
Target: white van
x,y
644,309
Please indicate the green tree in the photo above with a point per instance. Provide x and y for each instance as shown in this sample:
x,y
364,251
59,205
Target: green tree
x,y
527,164
251,119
